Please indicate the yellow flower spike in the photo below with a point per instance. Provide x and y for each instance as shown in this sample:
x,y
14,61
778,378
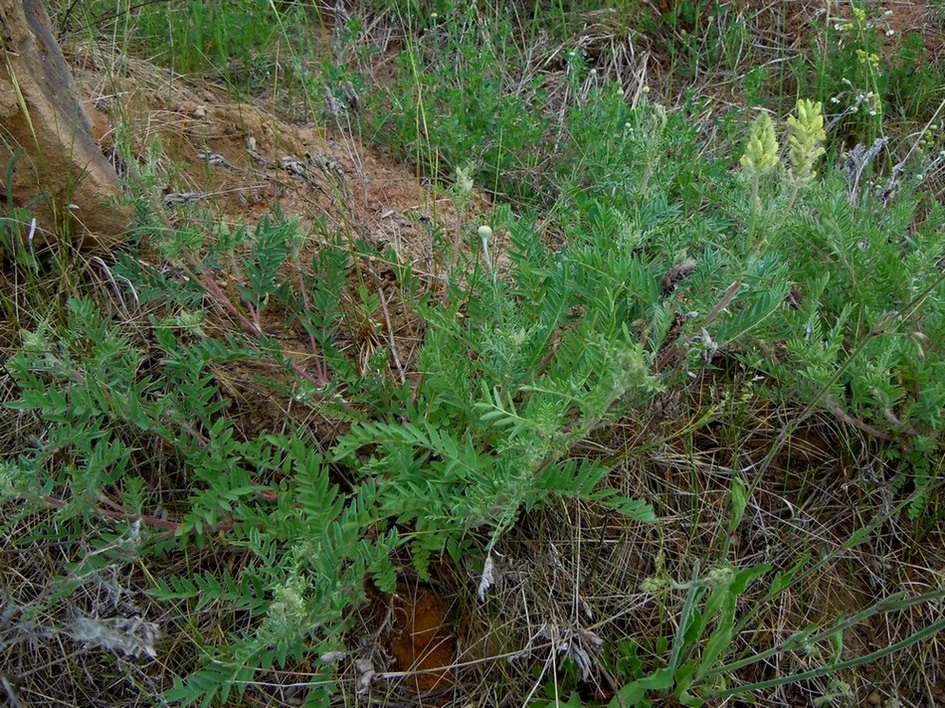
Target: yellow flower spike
x,y
761,155
805,137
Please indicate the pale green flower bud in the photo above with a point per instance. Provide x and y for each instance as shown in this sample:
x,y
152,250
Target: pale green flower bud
x,y
288,607
653,585
485,235
805,138
719,576
464,181
34,342
761,155
191,321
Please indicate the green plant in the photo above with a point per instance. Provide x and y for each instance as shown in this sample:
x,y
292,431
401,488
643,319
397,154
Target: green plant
x,y
452,104
769,265
862,68
245,41
482,437
702,659
911,83
690,38
635,257
713,640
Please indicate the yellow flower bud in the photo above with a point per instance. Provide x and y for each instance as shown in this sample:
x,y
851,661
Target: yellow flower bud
x,y
761,155
806,135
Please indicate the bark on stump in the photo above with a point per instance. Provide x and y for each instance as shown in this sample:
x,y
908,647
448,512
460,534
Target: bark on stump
x,y
59,173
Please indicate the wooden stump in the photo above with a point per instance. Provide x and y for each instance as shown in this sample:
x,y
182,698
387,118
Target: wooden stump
x,y
56,171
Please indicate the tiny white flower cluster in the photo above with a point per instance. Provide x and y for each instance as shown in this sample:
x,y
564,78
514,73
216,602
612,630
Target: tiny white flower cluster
x,y
867,102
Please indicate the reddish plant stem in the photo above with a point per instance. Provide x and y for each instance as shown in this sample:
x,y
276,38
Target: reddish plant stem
x,y
117,515
320,379
221,297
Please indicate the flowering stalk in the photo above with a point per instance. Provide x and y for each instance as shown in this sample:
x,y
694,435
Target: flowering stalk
x,y
761,155
805,137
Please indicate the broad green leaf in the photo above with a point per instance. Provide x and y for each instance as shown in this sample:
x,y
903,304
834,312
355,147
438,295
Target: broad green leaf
x,y
721,638
633,694
744,578
783,580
